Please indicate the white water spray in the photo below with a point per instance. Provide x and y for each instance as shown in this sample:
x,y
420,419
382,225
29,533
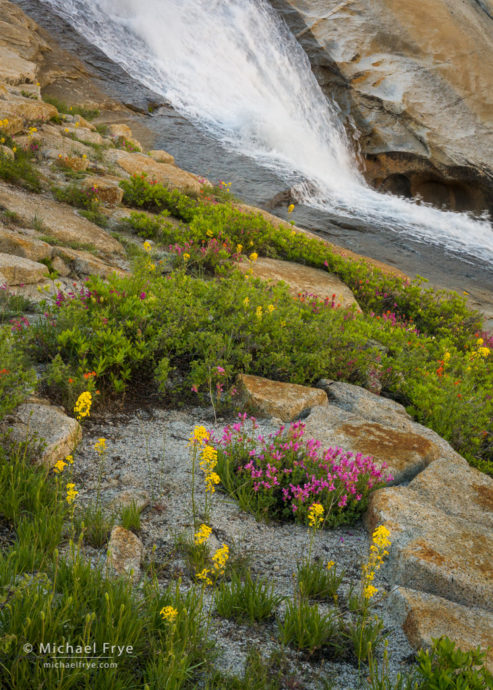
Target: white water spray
x,y
233,67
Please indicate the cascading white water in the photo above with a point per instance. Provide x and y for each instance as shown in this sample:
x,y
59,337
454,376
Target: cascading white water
x,y
233,67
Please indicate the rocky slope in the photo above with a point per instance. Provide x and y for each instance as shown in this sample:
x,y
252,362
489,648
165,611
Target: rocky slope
x,y
439,563
416,78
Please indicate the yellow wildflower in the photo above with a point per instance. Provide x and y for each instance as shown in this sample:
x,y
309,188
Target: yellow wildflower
x,y
147,246
14,149
480,341
446,357
151,266
290,208
330,565
210,480
239,248
83,405
186,257
168,613
204,576
199,435
70,459
315,515
246,301
209,233
484,351
369,591
270,308
100,446
59,466
203,534
71,493
253,256
258,312
220,558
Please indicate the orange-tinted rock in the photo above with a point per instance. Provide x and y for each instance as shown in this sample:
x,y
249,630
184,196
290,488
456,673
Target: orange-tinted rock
x,y
163,173
162,156
458,489
302,280
432,551
106,187
286,401
24,245
51,430
405,447
125,552
425,617
18,270
61,221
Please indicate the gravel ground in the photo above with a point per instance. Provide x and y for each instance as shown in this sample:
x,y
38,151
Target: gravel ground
x,y
147,450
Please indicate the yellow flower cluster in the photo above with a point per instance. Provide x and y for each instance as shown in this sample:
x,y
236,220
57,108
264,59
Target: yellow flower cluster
x,y
186,257
83,405
330,565
168,613
239,248
60,465
203,534
204,576
315,515
220,558
147,246
290,208
258,312
369,591
71,493
378,551
4,123
207,463
253,256
199,436
100,446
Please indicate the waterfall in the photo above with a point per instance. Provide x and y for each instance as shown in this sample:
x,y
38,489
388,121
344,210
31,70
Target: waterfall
x,y
234,68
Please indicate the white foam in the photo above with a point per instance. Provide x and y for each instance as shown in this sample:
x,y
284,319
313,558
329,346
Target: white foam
x,y
233,67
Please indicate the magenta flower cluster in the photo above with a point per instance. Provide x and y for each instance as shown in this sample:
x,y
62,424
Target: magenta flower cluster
x,y
297,472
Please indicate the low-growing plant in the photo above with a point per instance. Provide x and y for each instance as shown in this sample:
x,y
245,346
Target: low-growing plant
x,y
444,665
247,599
144,193
17,378
20,171
318,580
64,108
283,475
307,629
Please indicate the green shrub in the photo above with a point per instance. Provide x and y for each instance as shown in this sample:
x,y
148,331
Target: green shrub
x,y
16,378
20,171
140,192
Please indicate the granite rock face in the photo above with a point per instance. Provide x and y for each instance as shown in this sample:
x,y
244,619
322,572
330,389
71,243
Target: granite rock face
x,y
125,552
417,80
51,430
362,422
425,617
285,401
303,281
